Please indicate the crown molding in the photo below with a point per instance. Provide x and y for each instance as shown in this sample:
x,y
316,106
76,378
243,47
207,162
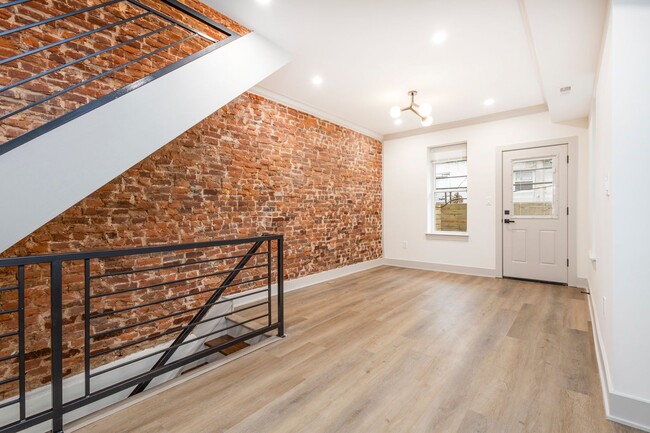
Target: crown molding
x,y
305,108
542,108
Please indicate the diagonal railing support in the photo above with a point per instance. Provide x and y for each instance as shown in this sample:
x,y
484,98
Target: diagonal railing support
x,y
201,314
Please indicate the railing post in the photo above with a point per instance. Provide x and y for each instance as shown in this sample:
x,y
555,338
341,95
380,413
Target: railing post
x,y
56,312
281,286
21,340
269,276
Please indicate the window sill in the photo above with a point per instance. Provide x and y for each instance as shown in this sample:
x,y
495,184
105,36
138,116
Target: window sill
x,y
451,234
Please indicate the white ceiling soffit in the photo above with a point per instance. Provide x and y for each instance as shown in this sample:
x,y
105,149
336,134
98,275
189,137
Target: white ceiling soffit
x,y
370,53
566,36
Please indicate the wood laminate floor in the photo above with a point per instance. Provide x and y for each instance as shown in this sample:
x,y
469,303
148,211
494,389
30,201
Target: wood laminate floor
x,y
401,350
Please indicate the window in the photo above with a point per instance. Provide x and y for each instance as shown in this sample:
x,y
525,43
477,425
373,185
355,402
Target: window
x,y
533,186
448,189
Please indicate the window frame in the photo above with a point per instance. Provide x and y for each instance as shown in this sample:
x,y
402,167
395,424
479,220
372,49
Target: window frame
x,y
431,190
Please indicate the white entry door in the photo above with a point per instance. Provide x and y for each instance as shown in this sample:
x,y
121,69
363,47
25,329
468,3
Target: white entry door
x,y
535,213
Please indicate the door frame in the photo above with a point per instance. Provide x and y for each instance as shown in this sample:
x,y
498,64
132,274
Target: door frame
x,y
572,247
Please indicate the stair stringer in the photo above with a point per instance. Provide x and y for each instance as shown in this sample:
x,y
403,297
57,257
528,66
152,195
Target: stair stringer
x,y
45,176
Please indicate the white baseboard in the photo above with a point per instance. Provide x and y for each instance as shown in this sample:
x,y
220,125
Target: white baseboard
x,y
440,267
582,283
620,408
309,280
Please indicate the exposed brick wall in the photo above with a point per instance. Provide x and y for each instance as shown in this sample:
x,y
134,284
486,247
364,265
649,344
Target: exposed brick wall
x,y
253,167
47,86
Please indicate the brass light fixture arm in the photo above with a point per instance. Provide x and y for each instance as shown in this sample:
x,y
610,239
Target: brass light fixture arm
x,y
413,106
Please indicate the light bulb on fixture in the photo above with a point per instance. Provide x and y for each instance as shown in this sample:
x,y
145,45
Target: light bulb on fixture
x,y
422,111
425,109
398,122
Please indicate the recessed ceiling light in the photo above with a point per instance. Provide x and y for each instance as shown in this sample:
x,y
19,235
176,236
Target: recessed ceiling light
x,y
264,2
398,122
317,80
488,102
439,38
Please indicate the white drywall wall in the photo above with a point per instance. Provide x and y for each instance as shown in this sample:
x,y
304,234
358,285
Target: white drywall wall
x,y
405,192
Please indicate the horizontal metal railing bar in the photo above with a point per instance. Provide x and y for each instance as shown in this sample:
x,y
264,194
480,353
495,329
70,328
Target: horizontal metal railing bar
x,y
9,403
171,331
155,319
70,39
96,77
58,17
7,289
170,266
93,105
8,312
157,352
175,298
7,358
27,422
84,58
167,283
129,383
246,294
175,21
11,379
64,257
13,3
10,334
199,16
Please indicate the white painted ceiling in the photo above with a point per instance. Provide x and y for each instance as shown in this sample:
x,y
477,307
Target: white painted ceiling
x,y
370,53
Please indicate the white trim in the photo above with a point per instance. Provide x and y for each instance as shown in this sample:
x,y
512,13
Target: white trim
x,y
301,106
620,408
542,108
582,283
440,267
309,280
572,144
441,233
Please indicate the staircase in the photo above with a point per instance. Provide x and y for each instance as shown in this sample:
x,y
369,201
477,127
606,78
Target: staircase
x,y
119,322
72,118
88,89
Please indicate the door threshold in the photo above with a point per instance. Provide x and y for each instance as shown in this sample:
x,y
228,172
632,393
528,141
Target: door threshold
x,y
555,283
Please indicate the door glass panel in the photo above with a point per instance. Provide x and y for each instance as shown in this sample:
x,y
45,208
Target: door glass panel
x,y
533,187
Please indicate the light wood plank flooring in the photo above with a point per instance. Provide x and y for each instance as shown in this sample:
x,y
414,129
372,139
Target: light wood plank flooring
x,y
401,350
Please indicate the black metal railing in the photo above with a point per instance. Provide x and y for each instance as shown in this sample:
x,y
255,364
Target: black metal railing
x,y
39,86
141,308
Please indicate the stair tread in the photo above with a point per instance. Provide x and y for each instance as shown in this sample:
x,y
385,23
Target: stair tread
x,y
224,339
194,368
244,320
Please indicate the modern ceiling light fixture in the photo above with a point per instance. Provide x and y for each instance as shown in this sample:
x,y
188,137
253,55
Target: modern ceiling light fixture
x,y
422,111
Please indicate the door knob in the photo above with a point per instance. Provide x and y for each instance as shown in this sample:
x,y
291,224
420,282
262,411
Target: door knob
x,y
508,221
